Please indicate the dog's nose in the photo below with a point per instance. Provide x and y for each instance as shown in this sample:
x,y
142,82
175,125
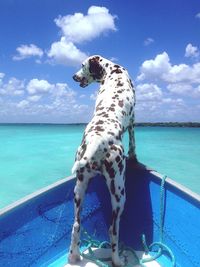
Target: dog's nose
x,y
75,77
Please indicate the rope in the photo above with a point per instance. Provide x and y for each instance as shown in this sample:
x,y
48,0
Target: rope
x,y
91,255
161,246
101,262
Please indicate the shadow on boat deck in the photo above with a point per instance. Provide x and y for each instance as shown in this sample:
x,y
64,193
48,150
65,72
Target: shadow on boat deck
x,y
137,217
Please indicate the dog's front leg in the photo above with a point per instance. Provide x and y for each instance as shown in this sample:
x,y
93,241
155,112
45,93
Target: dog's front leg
x,y
131,152
79,193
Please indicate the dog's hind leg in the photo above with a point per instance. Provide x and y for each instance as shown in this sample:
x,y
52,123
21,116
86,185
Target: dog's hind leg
x,y
79,193
117,192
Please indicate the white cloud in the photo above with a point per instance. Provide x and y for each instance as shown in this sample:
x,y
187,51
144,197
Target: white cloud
x,y
154,68
12,87
22,104
2,75
191,51
34,98
78,27
161,69
66,53
167,92
93,96
82,96
180,88
39,86
183,73
114,59
198,16
41,101
75,29
148,92
173,101
27,51
148,41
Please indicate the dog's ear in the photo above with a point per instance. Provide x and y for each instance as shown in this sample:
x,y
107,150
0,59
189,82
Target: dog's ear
x,y
95,68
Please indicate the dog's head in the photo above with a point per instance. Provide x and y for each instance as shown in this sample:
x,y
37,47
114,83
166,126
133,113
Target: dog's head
x,y
92,70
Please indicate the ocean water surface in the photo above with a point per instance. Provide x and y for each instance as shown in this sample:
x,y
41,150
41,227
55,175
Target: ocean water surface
x,y
34,156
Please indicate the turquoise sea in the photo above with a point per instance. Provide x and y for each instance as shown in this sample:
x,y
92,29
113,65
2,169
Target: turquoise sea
x,y
34,156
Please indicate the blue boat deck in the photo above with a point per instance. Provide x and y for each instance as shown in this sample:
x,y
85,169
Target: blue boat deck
x,y
36,231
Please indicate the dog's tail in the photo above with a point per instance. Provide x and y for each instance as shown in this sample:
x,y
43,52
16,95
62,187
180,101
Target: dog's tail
x,y
91,156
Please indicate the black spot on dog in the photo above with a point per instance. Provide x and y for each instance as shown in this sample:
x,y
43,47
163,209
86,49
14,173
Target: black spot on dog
x,y
83,147
119,136
94,165
108,154
120,166
77,202
112,187
117,158
82,169
117,198
95,68
113,147
120,83
99,108
114,218
122,192
130,82
111,133
80,177
100,122
99,129
117,70
113,247
109,168
121,103
101,91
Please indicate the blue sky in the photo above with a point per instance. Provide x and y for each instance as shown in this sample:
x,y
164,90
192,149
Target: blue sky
x,y
43,43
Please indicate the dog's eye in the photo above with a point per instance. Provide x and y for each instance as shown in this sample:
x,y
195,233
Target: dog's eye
x,y
83,65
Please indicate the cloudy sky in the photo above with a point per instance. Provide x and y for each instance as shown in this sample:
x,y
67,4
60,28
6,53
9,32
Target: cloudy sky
x,y
44,42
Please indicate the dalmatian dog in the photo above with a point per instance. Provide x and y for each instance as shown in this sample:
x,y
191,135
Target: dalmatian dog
x,y
101,150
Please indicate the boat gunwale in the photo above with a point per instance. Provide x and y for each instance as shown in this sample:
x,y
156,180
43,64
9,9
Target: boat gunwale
x,y
34,195
179,188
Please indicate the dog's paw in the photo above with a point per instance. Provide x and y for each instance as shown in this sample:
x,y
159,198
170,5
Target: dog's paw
x,y
73,258
118,262
132,158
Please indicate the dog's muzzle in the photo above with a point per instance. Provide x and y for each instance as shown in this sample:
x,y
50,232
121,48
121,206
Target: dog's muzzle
x,y
83,81
76,78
